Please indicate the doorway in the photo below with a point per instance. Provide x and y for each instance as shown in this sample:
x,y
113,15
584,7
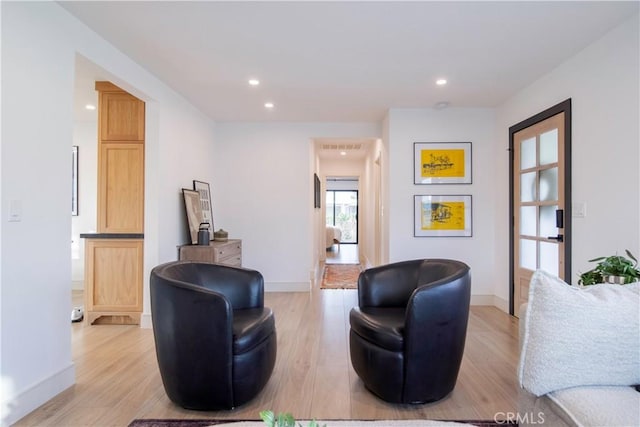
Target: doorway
x,y
341,218
540,194
342,212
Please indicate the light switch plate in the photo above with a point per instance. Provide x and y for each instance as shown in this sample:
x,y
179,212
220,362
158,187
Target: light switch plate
x,y
15,210
579,209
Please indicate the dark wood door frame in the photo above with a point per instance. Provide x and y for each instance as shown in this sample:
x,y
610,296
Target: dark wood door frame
x,y
563,107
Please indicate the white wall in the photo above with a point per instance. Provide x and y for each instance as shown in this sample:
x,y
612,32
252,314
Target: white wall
x,y
36,273
372,229
407,126
384,193
39,45
262,194
603,84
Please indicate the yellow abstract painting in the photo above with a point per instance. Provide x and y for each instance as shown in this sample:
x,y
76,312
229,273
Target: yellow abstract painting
x,y
443,216
442,163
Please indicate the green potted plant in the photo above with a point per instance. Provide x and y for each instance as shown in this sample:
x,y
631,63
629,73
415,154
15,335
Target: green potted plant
x,y
612,269
283,420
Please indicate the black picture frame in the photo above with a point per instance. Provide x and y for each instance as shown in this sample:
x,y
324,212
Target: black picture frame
x,y
316,191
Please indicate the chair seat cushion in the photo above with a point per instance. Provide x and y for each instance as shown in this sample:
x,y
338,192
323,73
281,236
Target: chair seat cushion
x,y
382,326
251,327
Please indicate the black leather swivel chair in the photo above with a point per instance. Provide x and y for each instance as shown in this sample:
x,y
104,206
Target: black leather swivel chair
x,y
407,335
215,340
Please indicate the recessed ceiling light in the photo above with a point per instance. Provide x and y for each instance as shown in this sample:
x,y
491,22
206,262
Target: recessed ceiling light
x,y
268,105
343,153
254,82
90,107
441,82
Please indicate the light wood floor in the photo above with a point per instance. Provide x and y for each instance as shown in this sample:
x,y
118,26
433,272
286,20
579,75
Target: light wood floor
x,y
118,378
344,253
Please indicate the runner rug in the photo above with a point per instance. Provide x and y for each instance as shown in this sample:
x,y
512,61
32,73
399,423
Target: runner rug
x,y
340,276
329,423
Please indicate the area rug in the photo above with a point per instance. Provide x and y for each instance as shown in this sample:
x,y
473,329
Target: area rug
x,y
340,276
329,423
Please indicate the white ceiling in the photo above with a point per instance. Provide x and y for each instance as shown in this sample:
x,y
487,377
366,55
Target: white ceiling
x,y
347,61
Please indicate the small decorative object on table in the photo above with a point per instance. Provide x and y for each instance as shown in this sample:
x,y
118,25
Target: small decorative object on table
x,y
203,234
221,235
612,269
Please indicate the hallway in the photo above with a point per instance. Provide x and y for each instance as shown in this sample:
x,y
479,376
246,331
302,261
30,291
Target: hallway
x,y
344,253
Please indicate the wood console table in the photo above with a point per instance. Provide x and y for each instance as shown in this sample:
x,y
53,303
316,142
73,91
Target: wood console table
x,y
217,252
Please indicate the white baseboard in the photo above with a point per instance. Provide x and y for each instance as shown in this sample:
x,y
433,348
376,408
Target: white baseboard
x,y
501,303
490,300
315,275
20,405
287,287
145,321
481,299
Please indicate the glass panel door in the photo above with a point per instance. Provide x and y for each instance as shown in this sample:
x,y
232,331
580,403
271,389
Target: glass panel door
x,y
342,212
538,203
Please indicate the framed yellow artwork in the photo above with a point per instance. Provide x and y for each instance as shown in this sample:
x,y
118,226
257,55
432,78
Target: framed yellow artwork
x,y
442,162
442,216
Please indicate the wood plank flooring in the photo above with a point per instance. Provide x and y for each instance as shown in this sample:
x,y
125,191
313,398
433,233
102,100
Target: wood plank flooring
x,y
117,377
344,253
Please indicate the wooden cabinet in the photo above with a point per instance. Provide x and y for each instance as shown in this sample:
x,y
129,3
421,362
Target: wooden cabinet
x,y
121,114
217,252
113,257
113,267
120,161
121,188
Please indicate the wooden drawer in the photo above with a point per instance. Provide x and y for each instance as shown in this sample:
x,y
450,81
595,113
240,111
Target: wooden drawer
x,y
233,261
226,253
228,250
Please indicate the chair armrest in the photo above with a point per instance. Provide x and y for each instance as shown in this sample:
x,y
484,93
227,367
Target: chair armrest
x,y
180,306
193,334
438,304
439,311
